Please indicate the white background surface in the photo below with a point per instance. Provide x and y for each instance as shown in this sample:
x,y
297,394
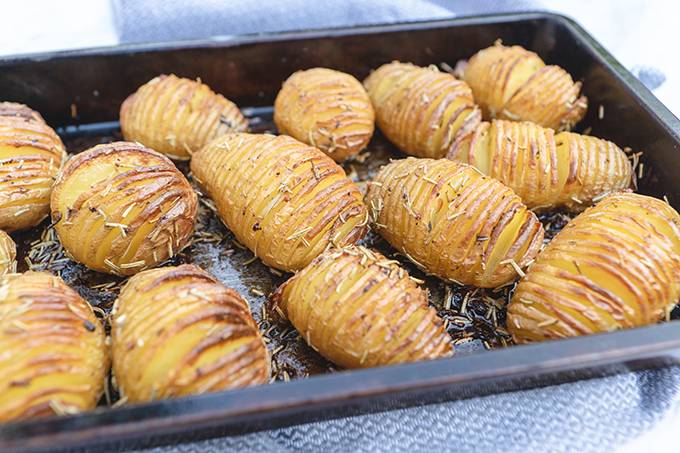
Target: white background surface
x,y
30,26
637,32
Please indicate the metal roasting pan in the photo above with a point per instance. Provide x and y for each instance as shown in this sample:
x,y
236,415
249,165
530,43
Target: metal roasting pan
x,y
80,92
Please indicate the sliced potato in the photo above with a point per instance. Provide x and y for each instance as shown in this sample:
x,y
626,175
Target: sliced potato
x,y
8,254
513,83
31,154
121,208
615,266
177,116
421,110
546,169
359,310
453,222
327,109
53,354
177,331
284,200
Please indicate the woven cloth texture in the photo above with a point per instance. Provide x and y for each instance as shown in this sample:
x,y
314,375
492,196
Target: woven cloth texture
x,y
587,416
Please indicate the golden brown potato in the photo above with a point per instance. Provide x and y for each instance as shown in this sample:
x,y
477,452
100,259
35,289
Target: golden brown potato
x,y
327,109
359,309
177,331
177,116
615,266
421,110
513,83
284,200
31,154
546,169
121,208
53,355
453,222
8,254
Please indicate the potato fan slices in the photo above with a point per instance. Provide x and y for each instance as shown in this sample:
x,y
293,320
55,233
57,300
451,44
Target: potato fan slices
x,y
8,254
454,222
178,116
31,154
359,309
421,110
547,170
284,200
327,109
615,266
121,208
53,357
513,83
178,331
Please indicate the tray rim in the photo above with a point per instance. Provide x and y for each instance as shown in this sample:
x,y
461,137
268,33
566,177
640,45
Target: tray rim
x,y
650,103
305,33
616,351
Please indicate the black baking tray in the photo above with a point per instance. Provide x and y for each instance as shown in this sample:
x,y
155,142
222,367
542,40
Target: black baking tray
x,y
80,93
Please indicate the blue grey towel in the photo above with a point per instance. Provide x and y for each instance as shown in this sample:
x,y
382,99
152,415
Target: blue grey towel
x,y
590,416
167,20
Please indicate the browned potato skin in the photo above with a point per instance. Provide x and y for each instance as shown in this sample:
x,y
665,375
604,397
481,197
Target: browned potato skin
x,y
54,356
327,109
31,154
421,110
546,169
177,331
453,222
615,266
284,200
359,309
513,83
120,208
8,254
178,116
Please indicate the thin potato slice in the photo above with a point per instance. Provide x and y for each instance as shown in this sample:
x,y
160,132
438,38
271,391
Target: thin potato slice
x,y
421,110
177,116
8,254
31,154
284,200
121,208
513,83
615,266
546,169
359,310
53,354
453,222
177,331
327,109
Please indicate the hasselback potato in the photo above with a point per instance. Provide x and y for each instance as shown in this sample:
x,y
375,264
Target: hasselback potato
x,y
177,116
31,154
284,200
359,309
453,222
617,265
421,110
513,83
544,168
8,254
53,356
120,208
327,109
177,331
